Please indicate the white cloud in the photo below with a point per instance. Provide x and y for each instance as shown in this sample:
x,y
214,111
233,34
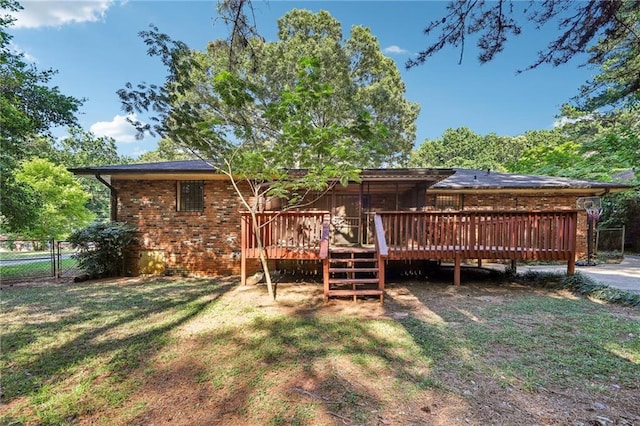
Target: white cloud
x,y
118,128
25,55
55,13
565,120
395,50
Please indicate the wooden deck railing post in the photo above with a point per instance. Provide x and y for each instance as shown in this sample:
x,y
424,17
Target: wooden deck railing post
x,y
382,252
324,254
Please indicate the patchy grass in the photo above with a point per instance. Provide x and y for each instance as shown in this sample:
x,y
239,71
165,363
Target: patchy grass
x,y
187,351
581,285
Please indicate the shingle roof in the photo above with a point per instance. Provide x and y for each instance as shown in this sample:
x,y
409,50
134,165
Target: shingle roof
x,y
483,179
451,179
182,166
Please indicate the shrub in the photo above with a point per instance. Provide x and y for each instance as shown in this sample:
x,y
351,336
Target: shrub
x,y
102,248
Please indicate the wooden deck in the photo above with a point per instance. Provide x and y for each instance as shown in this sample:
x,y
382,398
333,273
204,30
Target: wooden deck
x,y
433,235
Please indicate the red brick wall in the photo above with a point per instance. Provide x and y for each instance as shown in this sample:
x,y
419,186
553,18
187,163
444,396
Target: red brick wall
x,y
208,242
203,243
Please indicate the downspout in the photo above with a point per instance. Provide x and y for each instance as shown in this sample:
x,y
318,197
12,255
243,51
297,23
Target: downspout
x,y
114,197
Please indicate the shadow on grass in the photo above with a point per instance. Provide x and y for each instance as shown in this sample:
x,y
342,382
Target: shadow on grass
x,y
123,322
299,369
508,351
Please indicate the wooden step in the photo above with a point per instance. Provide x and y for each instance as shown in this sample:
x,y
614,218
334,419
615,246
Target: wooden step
x,y
350,250
356,260
354,281
356,269
371,292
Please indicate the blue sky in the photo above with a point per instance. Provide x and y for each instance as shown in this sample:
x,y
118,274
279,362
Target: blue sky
x,y
96,49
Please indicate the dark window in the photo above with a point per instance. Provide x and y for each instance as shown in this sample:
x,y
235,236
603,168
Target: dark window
x,y
191,196
448,202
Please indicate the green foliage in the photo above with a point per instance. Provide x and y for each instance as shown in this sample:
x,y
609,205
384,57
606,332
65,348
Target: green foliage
x,y
60,206
549,159
29,108
220,108
102,248
593,146
82,148
167,150
617,53
462,147
598,146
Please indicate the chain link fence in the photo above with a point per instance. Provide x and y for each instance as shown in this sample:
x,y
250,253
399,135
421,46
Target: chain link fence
x,y
610,240
21,260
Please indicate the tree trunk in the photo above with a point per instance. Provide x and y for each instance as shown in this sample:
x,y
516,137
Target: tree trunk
x,y
262,255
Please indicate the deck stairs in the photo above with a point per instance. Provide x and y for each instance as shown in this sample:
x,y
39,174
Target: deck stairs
x,y
353,272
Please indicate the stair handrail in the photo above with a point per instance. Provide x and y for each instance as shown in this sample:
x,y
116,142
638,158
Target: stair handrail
x,y
324,238
380,239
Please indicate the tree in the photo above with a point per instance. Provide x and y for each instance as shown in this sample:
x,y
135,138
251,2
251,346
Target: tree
x,y
588,146
61,199
167,150
307,101
561,159
608,30
29,108
359,73
462,147
82,148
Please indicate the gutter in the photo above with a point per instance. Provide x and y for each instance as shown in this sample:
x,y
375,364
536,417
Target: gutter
x,y
114,197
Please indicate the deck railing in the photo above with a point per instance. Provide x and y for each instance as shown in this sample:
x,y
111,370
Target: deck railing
x,y
537,235
284,233
432,235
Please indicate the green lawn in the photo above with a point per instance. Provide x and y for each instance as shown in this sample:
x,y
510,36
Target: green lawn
x,y
196,351
34,269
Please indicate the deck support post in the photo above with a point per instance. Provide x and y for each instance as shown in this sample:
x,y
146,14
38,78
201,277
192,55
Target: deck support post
x,y
381,273
243,251
514,266
325,279
571,264
243,269
456,270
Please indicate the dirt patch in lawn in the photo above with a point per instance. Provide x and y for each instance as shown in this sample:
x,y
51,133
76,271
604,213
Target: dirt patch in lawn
x,y
346,388
431,354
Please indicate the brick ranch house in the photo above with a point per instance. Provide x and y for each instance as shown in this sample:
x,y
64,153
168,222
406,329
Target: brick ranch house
x,y
189,219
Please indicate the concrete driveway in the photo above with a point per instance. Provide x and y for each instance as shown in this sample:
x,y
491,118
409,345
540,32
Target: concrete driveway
x,y
624,275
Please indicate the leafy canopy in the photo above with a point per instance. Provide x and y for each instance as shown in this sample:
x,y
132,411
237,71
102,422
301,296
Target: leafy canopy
x,y
60,199
29,108
462,147
308,100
